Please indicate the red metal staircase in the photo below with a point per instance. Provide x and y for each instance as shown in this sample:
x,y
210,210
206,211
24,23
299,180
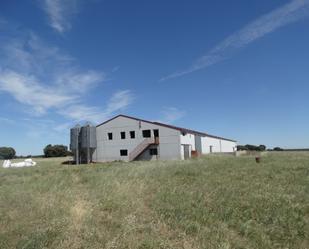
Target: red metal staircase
x,y
139,149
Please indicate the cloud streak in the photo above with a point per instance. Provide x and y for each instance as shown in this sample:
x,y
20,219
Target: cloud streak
x,y
171,115
266,24
59,12
7,121
46,80
26,90
119,101
43,77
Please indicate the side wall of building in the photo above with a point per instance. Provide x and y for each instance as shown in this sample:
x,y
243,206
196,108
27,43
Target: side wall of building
x,y
198,144
228,146
216,145
146,155
109,150
186,140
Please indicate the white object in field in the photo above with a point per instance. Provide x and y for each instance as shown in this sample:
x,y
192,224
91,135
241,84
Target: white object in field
x,y
6,164
26,163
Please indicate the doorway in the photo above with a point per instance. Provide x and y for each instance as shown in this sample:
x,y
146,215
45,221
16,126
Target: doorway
x,y
156,133
186,151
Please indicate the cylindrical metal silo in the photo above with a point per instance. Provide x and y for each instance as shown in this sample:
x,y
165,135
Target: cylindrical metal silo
x,y
88,141
74,141
88,137
84,137
93,137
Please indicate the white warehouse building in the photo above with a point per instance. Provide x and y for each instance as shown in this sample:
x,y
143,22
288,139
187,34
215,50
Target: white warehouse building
x,y
127,138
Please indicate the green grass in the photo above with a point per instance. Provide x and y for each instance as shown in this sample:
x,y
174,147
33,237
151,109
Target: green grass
x,y
212,202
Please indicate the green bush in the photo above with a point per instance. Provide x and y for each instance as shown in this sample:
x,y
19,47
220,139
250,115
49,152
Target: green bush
x,y
251,147
241,147
7,153
56,151
262,147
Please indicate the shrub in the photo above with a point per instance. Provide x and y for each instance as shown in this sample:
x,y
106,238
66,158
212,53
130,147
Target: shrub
x,y
262,147
7,153
56,151
251,147
241,147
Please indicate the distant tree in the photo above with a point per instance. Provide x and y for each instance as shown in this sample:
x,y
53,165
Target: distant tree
x,y
262,147
278,149
7,153
251,147
56,151
70,153
241,147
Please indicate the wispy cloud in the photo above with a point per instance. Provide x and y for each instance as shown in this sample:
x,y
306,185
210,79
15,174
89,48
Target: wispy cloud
x,y
118,102
25,89
3,22
7,120
41,76
28,53
79,82
45,80
115,69
60,12
286,14
171,115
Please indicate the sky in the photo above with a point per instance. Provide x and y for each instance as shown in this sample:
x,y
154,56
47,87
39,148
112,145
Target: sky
x,y
237,69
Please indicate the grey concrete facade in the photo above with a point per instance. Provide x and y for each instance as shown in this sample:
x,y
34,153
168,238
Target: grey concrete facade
x,y
109,149
119,138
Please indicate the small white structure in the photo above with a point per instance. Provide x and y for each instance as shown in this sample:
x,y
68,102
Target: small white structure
x,y
127,138
26,163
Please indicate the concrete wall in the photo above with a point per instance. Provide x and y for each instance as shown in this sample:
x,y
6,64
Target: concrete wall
x,y
145,156
218,145
109,150
228,146
186,139
198,144
171,146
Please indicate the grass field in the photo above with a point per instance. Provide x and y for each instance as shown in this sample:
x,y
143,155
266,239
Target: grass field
x,y
212,202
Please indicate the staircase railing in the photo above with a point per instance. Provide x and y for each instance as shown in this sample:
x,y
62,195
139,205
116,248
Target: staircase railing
x,y
141,147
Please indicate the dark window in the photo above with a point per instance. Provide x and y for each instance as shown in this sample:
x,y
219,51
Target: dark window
x,y
123,135
153,152
156,133
132,134
123,152
146,133
110,136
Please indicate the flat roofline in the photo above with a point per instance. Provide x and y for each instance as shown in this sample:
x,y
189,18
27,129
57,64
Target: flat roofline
x,y
184,130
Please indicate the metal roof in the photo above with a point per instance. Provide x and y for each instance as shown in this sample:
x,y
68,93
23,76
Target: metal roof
x,y
183,130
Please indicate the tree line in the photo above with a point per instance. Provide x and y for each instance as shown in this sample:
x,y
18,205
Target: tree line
x,y
7,153
261,147
62,150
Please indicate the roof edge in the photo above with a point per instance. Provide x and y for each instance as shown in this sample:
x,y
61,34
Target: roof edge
x,y
169,126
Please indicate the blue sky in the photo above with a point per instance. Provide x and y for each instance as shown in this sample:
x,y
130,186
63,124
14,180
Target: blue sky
x,y
237,69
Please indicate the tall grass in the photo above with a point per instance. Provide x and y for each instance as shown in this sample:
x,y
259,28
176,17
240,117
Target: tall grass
x,y
211,202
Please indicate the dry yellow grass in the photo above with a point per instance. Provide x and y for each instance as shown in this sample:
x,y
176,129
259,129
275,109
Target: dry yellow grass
x,y
212,202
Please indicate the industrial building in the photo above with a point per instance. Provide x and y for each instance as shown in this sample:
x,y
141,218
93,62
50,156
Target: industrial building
x,y
127,138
